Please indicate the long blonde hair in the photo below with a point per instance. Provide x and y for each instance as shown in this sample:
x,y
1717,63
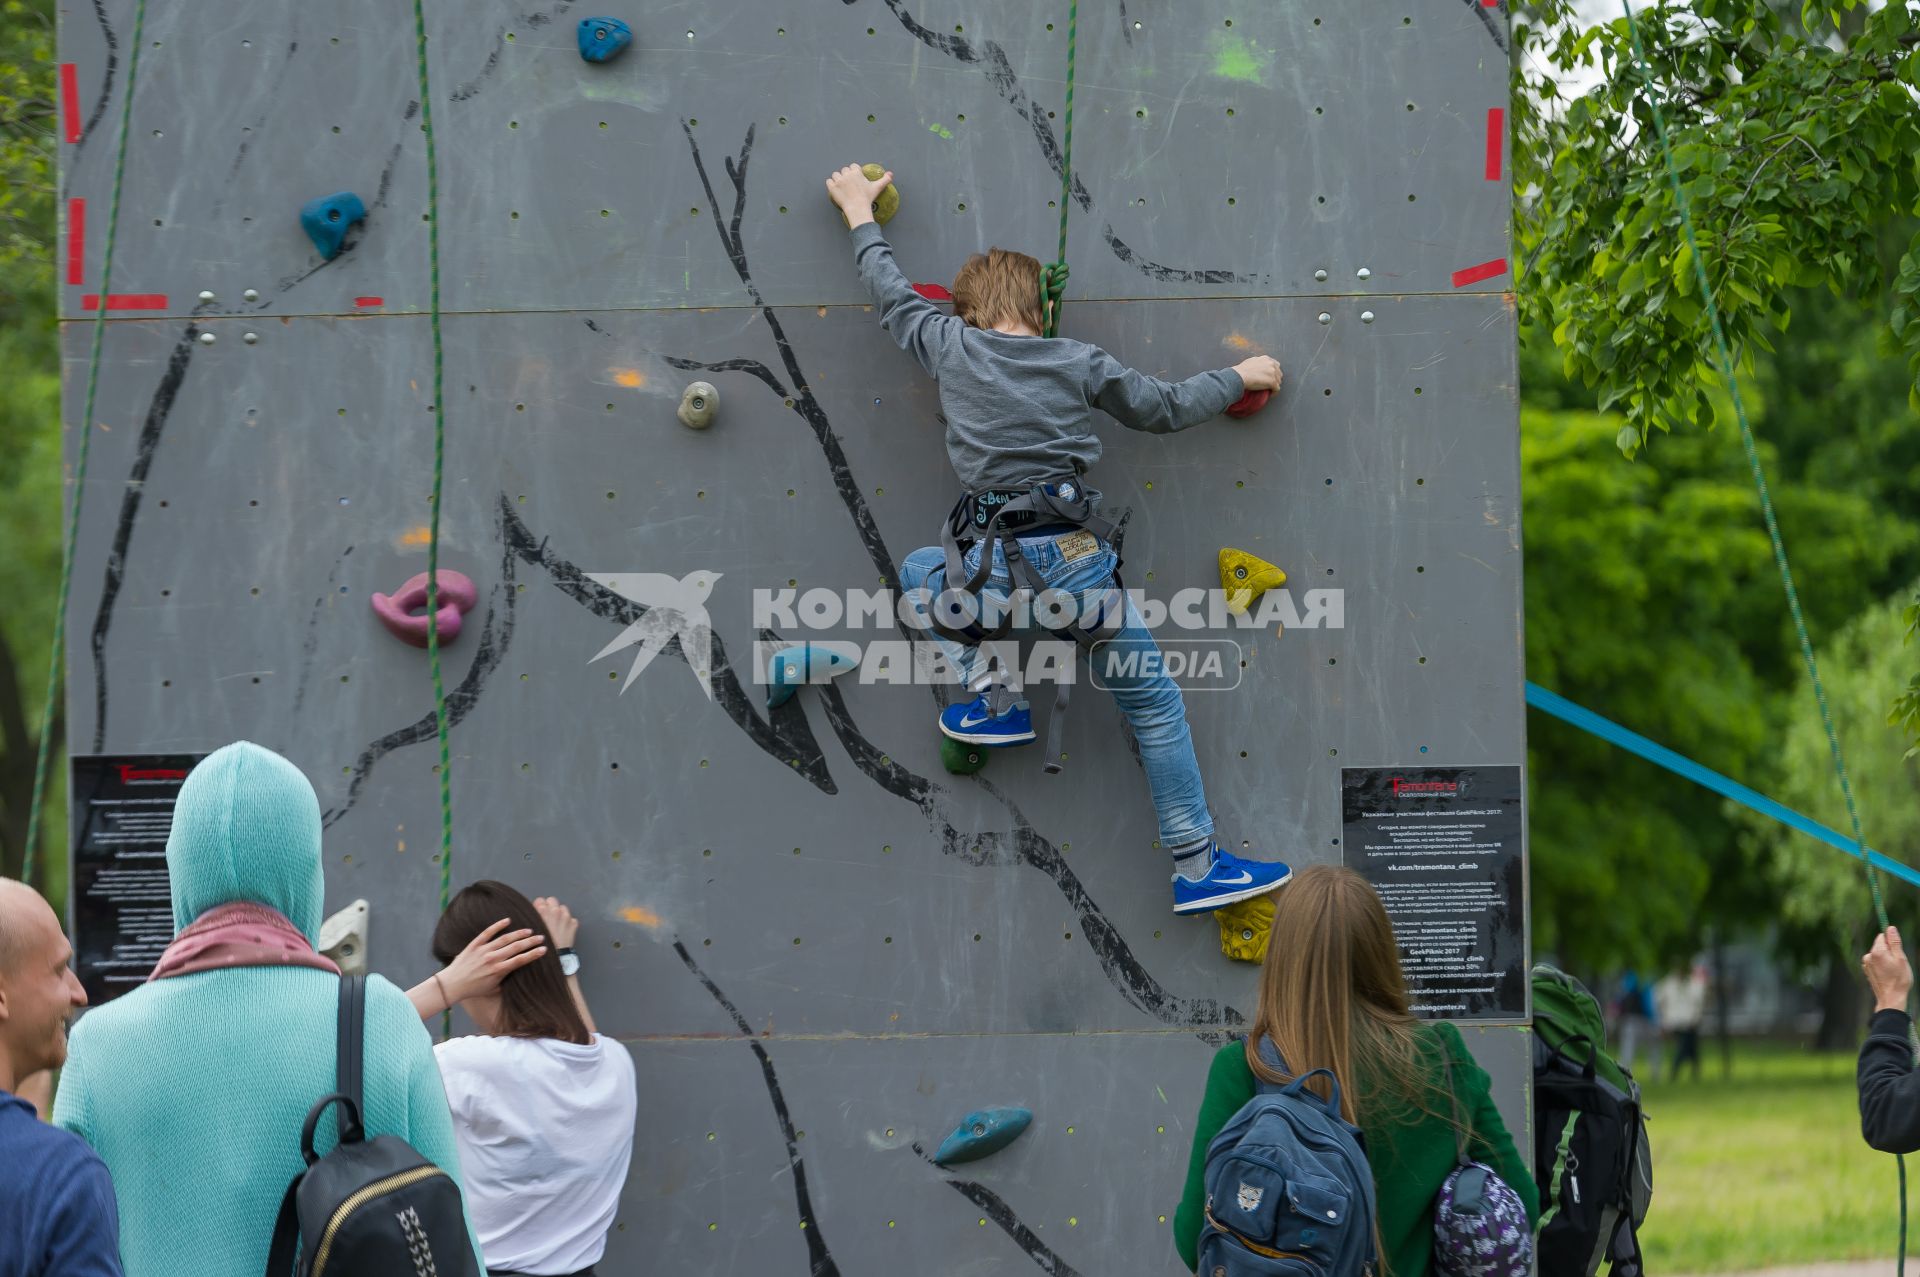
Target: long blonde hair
x,y
1332,997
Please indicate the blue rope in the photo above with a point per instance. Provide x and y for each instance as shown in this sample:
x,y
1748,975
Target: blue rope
x,y
1606,729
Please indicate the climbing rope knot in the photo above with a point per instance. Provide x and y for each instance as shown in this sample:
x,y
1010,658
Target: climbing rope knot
x,y
1053,286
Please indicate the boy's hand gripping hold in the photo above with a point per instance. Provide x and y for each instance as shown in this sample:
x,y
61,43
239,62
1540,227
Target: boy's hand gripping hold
x,y
853,192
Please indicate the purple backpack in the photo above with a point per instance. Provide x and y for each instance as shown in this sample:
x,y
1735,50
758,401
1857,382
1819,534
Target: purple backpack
x,y
1479,1223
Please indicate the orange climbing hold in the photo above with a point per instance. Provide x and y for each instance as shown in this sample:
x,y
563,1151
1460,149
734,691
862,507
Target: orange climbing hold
x,y
1245,577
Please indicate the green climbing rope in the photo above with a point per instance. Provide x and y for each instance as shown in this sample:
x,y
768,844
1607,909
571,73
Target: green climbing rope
x,y
439,471
56,655
1053,277
1773,528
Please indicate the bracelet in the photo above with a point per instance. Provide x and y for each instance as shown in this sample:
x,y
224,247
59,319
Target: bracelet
x,y
446,1003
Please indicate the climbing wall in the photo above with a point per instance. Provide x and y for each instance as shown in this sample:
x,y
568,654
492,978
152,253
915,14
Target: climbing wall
x,y
822,948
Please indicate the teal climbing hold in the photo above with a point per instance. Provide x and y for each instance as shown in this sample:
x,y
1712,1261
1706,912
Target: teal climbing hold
x,y
603,39
982,1134
326,221
792,667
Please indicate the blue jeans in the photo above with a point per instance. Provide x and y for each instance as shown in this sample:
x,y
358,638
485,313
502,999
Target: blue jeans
x,y
1151,701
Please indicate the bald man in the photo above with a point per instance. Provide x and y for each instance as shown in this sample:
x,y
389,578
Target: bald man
x,y
57,1215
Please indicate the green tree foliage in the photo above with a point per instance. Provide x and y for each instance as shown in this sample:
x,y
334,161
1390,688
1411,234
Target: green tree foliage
x,y
1819,892
30,474
1796,147
1651,597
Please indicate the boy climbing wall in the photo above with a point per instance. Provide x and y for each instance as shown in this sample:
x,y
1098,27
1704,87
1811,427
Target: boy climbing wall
x,y
1018,409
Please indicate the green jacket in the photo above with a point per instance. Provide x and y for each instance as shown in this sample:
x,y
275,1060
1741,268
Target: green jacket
x,y
192,1089
1411,1152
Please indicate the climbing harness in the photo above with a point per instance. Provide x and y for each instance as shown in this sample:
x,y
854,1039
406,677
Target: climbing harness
x,y
1053,277
990,523
1773,533
439,470
57,652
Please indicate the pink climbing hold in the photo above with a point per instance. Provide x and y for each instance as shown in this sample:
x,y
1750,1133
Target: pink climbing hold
x,y
1249,403
404,611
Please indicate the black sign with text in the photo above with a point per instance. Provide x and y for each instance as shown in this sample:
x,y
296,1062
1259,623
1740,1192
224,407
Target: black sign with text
x,y
122,808
1442,846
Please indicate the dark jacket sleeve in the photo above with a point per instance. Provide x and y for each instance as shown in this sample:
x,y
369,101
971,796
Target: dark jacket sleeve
x,y
1230,1084
1889,1087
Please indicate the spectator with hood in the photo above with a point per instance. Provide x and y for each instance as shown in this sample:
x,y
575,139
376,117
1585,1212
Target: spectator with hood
x,y
193,1087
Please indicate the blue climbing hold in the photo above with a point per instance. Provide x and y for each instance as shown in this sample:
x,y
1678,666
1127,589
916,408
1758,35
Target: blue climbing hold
x,y
327,218
982,1134
603,39
792,667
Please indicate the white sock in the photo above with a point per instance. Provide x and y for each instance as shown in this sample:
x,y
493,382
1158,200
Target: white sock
x,y
1192,862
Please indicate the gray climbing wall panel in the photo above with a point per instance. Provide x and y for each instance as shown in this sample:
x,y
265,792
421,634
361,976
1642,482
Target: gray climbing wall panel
x,y
902,945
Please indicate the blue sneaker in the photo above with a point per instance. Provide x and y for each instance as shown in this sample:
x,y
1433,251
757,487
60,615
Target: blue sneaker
x,y
1229,881
975,723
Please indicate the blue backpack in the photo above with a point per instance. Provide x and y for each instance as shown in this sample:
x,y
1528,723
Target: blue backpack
x,y
1289,1192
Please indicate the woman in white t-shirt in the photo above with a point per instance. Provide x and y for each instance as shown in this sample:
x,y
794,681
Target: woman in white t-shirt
x,y
543,1106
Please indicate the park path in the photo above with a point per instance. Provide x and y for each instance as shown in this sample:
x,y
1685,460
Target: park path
x,y
1849,1268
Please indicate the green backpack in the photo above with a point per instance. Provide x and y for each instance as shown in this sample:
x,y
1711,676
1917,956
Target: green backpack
x,y
1590,1152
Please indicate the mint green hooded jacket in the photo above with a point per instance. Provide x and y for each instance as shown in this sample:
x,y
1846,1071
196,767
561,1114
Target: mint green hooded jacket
x,y
192,1089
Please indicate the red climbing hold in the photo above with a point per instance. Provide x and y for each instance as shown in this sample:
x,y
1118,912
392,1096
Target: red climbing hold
x,y
1248,404
404,611
933,292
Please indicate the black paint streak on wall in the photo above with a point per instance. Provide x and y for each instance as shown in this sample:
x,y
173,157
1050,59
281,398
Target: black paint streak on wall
x,y
751,367
1170,274
992,60
159,408
996,1209
1024,845
1488,19
311,643
819,1259
472,86
789,740
804,403
106,79
489,651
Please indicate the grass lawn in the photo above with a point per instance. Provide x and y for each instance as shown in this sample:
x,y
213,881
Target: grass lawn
x,y
1766,1168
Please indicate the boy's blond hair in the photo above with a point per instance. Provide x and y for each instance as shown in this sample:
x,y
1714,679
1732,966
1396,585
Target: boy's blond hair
x,y
999,287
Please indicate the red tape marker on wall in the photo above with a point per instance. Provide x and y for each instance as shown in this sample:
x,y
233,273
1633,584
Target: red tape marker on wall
x,y
369,301
125,301
1496,139
933,292
1474,274
70,99
76,241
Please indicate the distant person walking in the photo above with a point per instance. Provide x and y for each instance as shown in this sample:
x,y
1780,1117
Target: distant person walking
x,y
1634,1021
57,1214
1889,1087
1679,1005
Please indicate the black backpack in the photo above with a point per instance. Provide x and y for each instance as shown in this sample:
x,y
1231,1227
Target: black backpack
x,y
1590,1152
371,1206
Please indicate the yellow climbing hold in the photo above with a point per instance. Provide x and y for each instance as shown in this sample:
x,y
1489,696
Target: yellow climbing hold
x,y
1245,928
1245,577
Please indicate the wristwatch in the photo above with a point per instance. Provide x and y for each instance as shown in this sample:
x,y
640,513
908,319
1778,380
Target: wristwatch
x,y
569,961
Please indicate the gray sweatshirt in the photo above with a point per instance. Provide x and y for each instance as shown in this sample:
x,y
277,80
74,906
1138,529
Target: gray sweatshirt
x,y
1020,409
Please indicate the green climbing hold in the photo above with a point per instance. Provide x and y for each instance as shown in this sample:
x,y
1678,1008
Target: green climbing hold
x,y
961,758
